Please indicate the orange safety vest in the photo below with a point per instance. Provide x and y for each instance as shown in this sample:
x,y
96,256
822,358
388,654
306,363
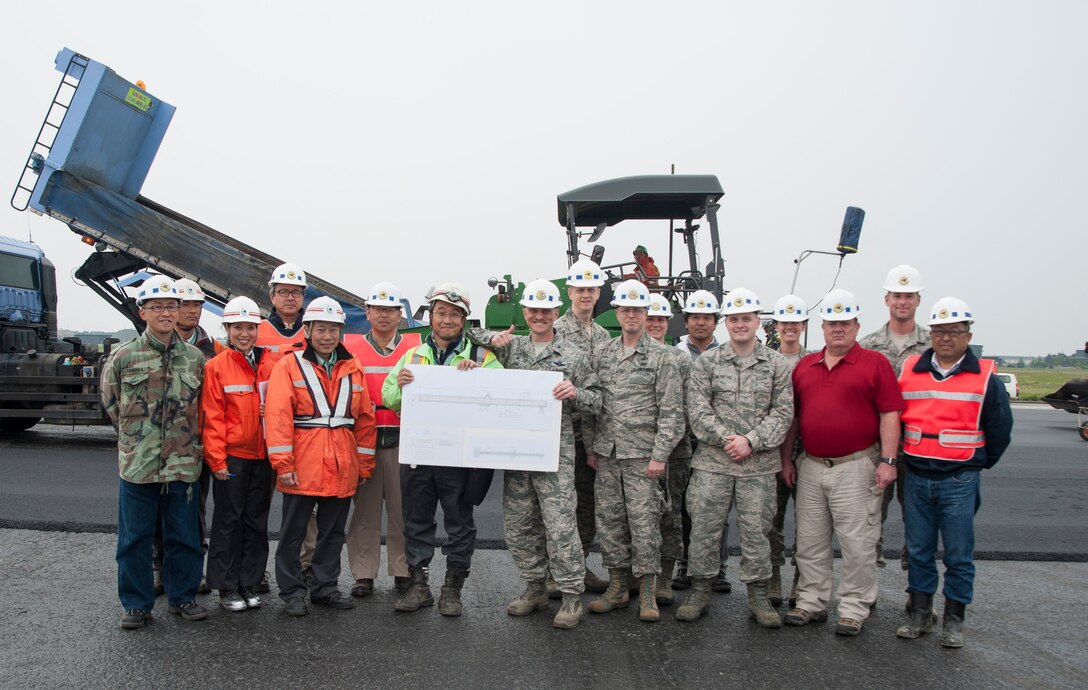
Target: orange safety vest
x,y
276,344
376,367
941,419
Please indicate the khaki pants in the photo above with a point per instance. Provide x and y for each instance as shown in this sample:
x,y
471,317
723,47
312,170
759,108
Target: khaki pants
x,y
365,526
843,499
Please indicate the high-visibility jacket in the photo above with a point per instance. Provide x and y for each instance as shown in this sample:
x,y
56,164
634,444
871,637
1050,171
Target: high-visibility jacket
x,y
319,427
230,403
376,367
277,343
942,417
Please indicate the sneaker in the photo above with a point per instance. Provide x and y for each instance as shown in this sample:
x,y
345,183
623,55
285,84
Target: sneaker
x,y
363,587
262,586
190,611
252,600
804,617
720,584
231,600
336,600
848,627
134,618
295,606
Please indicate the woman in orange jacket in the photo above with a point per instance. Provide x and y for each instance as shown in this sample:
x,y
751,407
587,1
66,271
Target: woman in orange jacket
x,y
234,451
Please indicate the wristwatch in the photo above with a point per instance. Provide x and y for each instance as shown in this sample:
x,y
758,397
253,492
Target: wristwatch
x,y
890,461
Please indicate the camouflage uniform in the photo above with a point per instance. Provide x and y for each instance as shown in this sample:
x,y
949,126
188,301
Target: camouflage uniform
x,y
916,344
642,418
784,492
729,394
574,333
151,393
672,532
539,507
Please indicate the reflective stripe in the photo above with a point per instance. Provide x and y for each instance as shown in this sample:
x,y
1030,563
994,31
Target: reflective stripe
x,y
364,451
912,434
272,348
299,384
962,438
943,395
356,387
241,388
324,416
281,449
377,370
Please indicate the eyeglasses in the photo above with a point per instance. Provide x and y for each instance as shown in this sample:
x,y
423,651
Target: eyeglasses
x,y
289,293
160,308
952,333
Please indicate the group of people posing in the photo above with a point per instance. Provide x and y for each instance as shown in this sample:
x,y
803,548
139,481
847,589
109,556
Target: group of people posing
x,y
658,445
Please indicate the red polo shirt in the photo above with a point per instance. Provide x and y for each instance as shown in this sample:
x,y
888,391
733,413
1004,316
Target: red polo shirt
x,y
838,408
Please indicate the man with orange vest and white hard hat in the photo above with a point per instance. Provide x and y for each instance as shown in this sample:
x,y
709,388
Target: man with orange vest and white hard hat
x,y
957,422
319,424
378,351
280,332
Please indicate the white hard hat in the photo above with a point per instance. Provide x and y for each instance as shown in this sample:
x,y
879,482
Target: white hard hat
x,y
903,278
701,302
790,308
585,273
741,301
631,293
659,306
383,294
156,287
541,294
241,310
288,274
324,309
188,290
950,310
839,305
451,293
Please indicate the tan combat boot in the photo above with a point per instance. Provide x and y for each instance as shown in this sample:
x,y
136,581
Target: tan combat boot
x,y
570,613
647,600
697,601
774,589
664,583
759,609
616,596
535,598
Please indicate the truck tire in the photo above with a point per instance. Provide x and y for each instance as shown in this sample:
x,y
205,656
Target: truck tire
x,y
17,424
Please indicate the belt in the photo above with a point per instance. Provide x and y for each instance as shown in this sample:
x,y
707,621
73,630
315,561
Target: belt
x,y
831,462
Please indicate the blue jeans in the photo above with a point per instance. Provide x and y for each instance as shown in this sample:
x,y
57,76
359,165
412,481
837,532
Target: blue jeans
x,y
947,507
137,508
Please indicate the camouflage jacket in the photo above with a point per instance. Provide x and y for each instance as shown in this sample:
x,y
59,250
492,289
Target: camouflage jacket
x,y
684,363
562,357
752,396
881,341
642,415
573,332
151,393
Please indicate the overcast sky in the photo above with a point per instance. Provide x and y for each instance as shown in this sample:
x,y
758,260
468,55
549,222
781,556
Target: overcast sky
x,y
424,142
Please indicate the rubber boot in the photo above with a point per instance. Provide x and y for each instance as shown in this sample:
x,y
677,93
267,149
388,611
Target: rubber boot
x,y
952,628
664,583
570,613
774,587
535,598
921,617
793,590
449,600
759,608
418,593
616,596
697,602
647,599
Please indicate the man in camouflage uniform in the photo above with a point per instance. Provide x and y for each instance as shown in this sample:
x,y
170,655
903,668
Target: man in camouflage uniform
x,y
898,339
539,507
790,315
151,392
740,405
577,327
629,443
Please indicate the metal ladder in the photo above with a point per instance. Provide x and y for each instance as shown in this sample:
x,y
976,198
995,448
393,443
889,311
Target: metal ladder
x,y
58,110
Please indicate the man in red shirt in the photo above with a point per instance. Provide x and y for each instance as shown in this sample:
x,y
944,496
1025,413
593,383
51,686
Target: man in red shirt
x,y
847,403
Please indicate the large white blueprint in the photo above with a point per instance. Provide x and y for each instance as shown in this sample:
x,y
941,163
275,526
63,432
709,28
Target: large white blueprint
x,y
505,419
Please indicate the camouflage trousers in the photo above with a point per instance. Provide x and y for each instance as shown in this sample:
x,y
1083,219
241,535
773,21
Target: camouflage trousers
x,y
629,507
709,498
672,525
540,526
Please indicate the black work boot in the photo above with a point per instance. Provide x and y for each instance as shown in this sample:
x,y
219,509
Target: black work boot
x,y
418,593
449,600
952,627
921,617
